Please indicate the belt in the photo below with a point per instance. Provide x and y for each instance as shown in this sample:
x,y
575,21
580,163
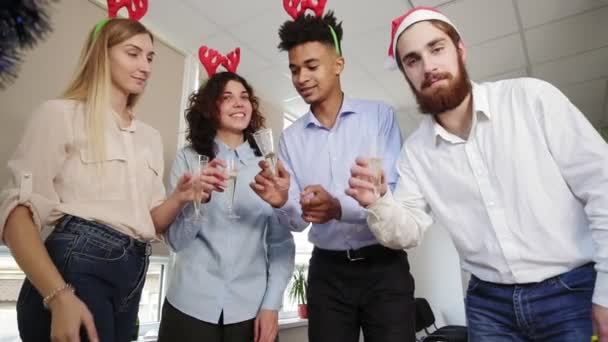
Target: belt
x,y
372,252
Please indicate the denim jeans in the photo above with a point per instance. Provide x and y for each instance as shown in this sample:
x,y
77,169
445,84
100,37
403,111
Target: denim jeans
x,y
557,309
106,268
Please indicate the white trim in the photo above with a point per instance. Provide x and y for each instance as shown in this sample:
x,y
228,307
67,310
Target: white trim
x,y
190,84
290,116
291,323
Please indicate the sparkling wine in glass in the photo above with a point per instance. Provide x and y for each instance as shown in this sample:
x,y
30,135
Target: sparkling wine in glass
x,y
263,138
375,164
201,163
374,156
232,169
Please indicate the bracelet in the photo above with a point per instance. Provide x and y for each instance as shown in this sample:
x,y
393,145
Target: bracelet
x,y
47,299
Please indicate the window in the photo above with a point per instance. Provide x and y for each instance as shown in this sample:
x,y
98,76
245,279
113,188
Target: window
x,y
288,119
303,250
153,296
11,279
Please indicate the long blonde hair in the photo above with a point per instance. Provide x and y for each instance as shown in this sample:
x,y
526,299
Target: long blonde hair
x,y
91,82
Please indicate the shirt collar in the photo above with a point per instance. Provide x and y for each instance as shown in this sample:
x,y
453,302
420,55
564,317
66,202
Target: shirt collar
x,y
244,153
120,122
480,101
347,108
481,108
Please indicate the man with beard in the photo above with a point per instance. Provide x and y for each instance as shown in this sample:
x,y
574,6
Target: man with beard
x,y
517,176
354,283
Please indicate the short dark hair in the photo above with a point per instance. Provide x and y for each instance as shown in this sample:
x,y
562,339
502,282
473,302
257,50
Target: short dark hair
x,y
203,110
443,27
310,28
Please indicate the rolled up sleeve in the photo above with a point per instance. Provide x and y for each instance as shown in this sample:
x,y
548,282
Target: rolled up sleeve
x,y
35,164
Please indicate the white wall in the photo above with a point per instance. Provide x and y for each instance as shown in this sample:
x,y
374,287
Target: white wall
x,y
435,265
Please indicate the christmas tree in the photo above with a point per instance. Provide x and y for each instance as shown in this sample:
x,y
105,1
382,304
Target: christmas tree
x,y
23,23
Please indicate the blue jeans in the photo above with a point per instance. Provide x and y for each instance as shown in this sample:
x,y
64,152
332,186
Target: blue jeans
x,y
106,268
557,309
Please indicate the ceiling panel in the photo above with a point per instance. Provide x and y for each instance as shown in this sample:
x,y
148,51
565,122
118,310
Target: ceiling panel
x,y
481,20
273,83
430,3
496,56
505,76
589,98
250,63
568,37
583,67
537,12
260,33
367,89
369,49
229,12
394,83
364,15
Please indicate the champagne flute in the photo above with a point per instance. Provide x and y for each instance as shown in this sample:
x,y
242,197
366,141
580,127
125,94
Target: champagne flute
x,y
196,169
263,138
375,163
232,169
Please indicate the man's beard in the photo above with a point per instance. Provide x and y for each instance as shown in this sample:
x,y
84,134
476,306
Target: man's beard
x,y
444,98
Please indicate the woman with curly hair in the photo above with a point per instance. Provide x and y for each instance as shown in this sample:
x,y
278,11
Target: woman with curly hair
x,y
229,274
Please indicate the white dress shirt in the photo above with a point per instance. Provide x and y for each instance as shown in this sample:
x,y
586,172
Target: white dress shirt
x,y
524,198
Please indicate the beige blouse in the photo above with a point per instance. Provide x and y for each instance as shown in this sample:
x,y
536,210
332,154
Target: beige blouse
x,y
53,174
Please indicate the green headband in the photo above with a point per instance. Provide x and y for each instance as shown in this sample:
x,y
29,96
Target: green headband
x,y
99,26
335,38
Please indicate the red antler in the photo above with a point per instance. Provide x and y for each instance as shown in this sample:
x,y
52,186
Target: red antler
x,y
231,62
210,59
291,7
136,8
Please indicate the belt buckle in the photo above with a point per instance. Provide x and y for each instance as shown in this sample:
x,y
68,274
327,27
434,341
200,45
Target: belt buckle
x,y
351,258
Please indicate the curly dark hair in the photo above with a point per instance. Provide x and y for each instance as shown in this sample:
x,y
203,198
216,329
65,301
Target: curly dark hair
x,y
203,114
309,28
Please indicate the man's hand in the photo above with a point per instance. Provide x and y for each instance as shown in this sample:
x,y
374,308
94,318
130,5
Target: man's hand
x,y
319,206
272,187
361,183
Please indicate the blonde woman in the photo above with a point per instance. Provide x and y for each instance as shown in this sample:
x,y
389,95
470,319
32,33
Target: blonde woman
x,y
87,166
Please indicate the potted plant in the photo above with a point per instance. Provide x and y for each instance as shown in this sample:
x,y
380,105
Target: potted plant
x,y
297,291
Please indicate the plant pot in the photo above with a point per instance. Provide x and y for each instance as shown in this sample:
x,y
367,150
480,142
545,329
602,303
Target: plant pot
x,y
302,311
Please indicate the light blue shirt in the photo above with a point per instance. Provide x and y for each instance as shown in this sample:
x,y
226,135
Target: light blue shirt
x,y
237,267
316,155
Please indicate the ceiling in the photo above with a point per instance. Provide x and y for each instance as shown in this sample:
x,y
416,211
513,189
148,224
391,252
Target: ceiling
x,y
564,42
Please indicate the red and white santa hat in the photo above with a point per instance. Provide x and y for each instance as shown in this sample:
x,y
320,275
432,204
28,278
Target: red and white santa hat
x,y
412,16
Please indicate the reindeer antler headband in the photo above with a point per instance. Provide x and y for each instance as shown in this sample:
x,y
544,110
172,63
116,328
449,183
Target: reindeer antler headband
x,y
296,8
136,8
212,59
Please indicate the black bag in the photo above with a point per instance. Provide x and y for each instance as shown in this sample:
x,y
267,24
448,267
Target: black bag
x,y
425,318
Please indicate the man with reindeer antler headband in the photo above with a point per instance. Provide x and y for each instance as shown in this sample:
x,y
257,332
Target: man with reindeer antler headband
x,y
232,266
87,166
515,173
354,283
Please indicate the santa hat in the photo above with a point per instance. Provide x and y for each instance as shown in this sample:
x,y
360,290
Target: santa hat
x,y
401,23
